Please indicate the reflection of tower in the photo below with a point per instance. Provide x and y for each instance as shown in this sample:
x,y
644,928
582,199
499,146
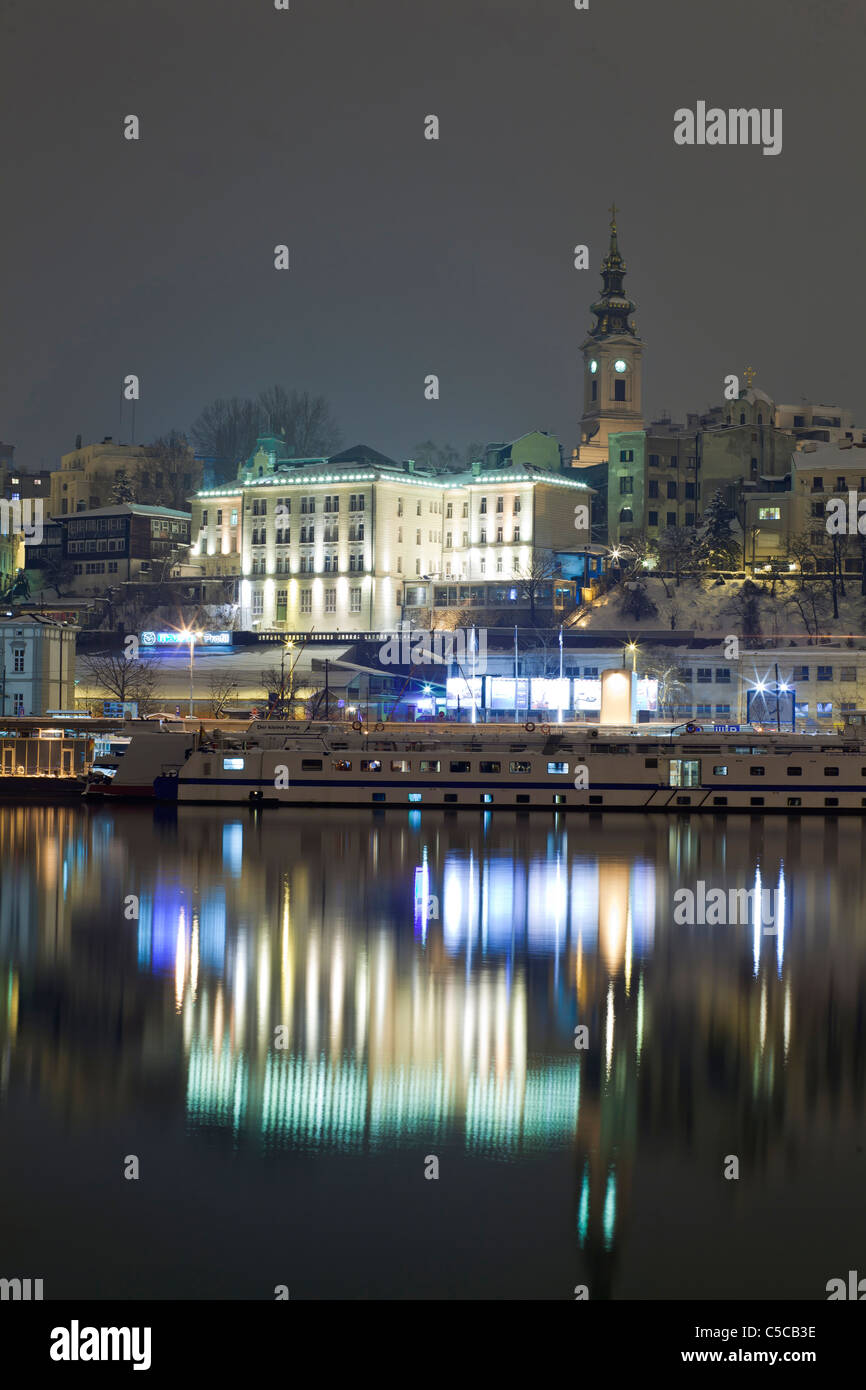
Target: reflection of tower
x,y
612,363
607,1134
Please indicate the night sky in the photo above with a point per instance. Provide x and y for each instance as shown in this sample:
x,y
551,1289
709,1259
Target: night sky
x,y
410,256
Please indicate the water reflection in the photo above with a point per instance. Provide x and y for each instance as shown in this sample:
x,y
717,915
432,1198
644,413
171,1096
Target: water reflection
x,y
349,984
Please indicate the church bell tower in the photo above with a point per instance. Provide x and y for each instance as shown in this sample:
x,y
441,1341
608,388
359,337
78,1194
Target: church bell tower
x,y
612,364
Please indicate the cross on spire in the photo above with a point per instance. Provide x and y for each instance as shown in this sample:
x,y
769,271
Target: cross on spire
x,y
750,375
613,217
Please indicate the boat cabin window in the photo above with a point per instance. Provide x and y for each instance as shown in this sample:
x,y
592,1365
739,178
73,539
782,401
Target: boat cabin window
x,y
311,764
371,765
757,771
721,770
460,767
650,762
795,772
399,764
235,764
831,772
685,772
524,767
429,765
557,768
342,765
490,767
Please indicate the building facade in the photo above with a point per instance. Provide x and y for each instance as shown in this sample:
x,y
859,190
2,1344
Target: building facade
x,y
37,666
110,545
358,541
90,475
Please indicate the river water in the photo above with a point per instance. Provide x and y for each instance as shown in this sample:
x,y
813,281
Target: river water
x,y
428,1055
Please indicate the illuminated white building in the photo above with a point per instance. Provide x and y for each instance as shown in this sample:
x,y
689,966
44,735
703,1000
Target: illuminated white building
x,y
355,542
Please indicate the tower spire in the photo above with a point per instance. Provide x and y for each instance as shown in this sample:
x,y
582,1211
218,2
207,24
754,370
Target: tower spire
x,y
614,309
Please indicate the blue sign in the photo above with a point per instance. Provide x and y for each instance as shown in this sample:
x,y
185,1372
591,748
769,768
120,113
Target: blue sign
x,y
726,728
181,639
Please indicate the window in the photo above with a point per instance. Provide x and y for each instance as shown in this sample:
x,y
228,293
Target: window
x,y
769,513
18,659
311,764
418,509
705,675
653,460
626,514
354,600
371,765
825,673
429,765
342,765
794,771
517,533
672,491
721,770
618,389
801,673
522,766
848,673
831,772
757,771
557,769
626,455
626,485
483,507
516,504
653,487
489,767
500,504
672,518
400,765
330,600
459,767
652,518
306,601
233,764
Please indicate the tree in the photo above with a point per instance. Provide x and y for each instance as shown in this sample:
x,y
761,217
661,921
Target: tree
x,y
533,577
635,601
227,429
126,678
57,574
680,550
222,689
444,458
167,479
304,421
720,545
747,606
122,490
673,689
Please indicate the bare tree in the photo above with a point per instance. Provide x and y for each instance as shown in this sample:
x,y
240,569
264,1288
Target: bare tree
x,y
673,689
222,689
304,421
535,575
126,678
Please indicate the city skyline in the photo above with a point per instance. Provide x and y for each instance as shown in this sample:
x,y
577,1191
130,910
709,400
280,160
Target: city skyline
x,y
413,256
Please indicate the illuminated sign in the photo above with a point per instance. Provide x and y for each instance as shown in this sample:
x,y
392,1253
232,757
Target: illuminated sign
x,y
181,639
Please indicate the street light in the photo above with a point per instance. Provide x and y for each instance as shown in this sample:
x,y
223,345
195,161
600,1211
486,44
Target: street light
x,y
632,647
191,633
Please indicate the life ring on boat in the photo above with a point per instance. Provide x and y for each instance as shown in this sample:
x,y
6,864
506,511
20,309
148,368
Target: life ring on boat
x,y
691,728
545,728
529,727
357,725
379,728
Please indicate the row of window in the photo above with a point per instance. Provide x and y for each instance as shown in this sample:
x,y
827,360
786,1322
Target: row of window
x,y
490,767
307,565
100,567
626,487
306,602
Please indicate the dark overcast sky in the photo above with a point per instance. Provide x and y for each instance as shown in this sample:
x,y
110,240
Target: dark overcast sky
x,y
410,256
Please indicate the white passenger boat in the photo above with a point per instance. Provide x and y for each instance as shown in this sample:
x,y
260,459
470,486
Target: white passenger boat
x,y
559,767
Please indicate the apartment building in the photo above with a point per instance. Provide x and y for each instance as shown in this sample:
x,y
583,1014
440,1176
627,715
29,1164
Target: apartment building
x,y
37,666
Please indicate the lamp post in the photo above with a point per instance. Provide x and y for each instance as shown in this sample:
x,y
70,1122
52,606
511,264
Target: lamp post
x,y
191,634
287,647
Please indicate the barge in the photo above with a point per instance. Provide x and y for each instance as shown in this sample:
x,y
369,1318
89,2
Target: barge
x,y
513,767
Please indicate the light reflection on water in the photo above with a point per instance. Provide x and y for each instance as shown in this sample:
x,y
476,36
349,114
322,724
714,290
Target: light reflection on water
x,y
369,987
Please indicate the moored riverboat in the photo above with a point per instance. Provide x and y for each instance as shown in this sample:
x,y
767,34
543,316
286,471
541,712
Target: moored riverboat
x,y
521,767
